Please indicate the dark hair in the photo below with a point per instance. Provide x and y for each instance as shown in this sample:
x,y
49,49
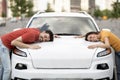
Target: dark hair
x,y
89,33
51,34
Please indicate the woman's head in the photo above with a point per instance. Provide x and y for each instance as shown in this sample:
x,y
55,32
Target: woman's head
x,y
92,36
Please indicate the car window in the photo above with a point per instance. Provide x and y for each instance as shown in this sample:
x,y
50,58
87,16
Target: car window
x,y
65,25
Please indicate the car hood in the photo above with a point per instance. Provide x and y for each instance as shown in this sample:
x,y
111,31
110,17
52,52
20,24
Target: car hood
x,y
64,52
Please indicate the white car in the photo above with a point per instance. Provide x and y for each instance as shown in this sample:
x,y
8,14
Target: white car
x,y
66,57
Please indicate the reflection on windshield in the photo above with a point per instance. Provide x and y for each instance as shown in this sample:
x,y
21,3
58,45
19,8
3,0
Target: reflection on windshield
x,y
65,25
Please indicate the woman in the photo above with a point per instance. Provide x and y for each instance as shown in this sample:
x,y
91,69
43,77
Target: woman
x,y
109,40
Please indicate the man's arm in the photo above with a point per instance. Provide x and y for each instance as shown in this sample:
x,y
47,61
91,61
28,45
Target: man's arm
x,y
19,43
106,44
80,36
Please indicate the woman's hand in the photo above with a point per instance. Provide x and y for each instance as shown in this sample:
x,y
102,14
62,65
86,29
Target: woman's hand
x,y
92,46
81,36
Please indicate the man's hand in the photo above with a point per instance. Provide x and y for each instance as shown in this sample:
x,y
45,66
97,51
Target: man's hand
x,y
34,46
56,36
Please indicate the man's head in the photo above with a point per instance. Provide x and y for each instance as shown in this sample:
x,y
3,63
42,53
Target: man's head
x,y
46,35
92,36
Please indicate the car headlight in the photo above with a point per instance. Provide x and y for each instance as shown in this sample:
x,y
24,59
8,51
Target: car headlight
x,y
104,53
19,52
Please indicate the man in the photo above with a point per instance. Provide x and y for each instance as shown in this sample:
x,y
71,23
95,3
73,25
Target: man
x,y
19,38
108,39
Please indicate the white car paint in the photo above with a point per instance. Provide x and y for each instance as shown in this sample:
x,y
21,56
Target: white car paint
x,y
65,52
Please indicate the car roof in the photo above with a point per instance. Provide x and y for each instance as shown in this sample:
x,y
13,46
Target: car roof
x,y
72,14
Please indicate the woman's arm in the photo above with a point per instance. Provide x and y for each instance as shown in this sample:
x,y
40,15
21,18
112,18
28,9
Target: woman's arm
x,y
106,44
80,36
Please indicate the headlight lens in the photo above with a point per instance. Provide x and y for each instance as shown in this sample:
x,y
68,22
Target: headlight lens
x,y
19,52
104,53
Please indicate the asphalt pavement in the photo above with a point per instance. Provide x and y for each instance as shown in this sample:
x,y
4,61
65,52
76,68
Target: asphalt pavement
x,y
112,24
11,25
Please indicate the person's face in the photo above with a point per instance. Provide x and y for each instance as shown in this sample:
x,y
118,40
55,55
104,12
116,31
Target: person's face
x,y
44,37
93,38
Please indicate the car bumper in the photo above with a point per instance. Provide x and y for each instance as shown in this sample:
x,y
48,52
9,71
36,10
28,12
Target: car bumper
x,y
66,73
35,74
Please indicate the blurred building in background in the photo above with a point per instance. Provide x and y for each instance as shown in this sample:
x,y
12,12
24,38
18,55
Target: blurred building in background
x,y
0,8
61,5
3,8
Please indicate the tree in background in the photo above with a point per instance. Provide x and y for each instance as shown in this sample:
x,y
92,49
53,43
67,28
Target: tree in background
x,y
107,13
114,13
21,7
4,14
116,10
97,12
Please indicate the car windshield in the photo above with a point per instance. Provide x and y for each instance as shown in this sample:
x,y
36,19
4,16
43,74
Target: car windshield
x,y
65,25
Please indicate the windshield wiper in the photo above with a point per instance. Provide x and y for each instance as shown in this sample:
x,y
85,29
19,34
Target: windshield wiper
x,y
66,34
